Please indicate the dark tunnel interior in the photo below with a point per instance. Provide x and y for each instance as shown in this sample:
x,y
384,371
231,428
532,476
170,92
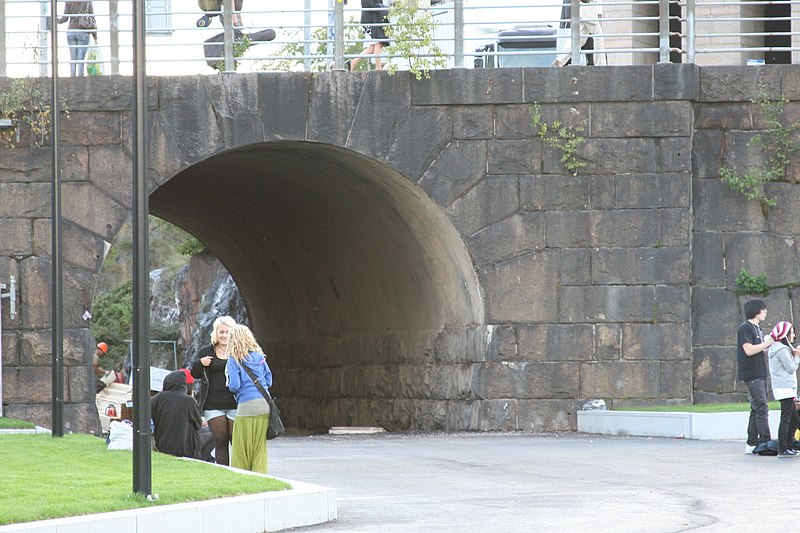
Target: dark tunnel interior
x,y
342,261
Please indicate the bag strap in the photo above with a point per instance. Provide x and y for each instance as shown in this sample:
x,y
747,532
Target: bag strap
x,y
259,386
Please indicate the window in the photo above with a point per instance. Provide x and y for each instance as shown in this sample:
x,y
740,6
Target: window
x,y
159,16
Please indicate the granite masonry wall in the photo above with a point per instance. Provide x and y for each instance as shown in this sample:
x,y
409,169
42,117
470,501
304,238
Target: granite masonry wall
x,y
477,285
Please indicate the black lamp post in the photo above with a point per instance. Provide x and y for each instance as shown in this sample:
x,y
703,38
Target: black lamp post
x,y
142,466
56,261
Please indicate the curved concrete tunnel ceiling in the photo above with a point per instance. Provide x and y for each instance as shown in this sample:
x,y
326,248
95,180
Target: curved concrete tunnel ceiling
x,y
325,242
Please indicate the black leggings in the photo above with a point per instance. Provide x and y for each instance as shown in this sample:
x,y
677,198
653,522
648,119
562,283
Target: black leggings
x,y
789,423
222,429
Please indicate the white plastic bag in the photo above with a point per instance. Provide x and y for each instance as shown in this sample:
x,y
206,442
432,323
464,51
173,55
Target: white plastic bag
x,y
109,377
94,61
120,435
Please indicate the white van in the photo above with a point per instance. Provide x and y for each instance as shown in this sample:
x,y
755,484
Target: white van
x,y
518,48
501,33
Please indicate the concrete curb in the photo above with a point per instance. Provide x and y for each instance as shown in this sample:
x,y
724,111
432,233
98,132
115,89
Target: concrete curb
x,y
38,429
701,426
304,505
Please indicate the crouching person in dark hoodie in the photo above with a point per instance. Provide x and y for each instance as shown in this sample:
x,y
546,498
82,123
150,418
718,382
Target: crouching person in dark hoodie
x,y
176,417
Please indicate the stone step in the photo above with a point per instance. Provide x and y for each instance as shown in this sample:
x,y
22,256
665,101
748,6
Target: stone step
x,y
354,430
701,426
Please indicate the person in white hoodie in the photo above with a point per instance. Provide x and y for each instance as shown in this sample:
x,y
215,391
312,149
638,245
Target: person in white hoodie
x,y
783,362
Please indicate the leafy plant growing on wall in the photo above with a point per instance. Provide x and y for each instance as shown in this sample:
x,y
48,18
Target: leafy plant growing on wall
x,y
566,139
411,34
776,142
750,284
24,104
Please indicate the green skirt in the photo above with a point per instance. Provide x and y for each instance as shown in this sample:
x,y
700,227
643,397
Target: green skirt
x,y
250,443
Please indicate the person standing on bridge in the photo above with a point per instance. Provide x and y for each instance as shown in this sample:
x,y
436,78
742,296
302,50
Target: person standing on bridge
x,y
82,25
752,363
374,17
590,30
216,401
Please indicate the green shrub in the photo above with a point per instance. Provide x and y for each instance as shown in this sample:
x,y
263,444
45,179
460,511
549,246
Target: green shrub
x,y
750,284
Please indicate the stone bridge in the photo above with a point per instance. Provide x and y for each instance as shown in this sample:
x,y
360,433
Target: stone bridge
x,y
411,253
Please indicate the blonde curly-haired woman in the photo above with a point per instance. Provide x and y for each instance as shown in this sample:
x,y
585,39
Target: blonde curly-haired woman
x,y
252,411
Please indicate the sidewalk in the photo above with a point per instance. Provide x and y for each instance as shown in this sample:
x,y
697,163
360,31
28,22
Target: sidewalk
x,y
516,482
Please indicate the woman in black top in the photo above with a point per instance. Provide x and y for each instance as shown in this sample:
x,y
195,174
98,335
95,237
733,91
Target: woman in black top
x,y
216,401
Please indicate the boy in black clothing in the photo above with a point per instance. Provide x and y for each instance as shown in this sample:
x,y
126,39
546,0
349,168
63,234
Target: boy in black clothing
x,y
753,370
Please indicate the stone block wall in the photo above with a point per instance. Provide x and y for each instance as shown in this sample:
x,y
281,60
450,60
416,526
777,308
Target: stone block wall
x,y
615,283
730,233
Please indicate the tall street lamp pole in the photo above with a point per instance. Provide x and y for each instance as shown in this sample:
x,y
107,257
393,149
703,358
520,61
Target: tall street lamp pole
x,y
56,261
142,467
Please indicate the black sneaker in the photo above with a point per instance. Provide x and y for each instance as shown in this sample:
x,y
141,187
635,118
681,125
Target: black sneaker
x,y
788,453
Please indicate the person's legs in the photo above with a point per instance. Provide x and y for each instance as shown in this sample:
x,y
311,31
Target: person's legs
x,y
759,410
250,443
378,50
258,444
365,52
589,55
238,452
222,436
787,406
230,428
237,14
80,52
206,444
72,43
794,423
752,432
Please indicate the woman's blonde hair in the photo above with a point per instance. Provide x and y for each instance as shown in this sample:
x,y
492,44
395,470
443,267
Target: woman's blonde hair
x,y
241,342
228,321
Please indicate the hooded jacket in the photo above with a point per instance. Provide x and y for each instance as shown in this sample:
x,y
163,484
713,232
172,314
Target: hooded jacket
x,y
239,381
176,417
783,367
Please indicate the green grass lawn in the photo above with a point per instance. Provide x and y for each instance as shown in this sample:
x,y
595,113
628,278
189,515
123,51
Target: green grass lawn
x,y
12,423
701,408
44,477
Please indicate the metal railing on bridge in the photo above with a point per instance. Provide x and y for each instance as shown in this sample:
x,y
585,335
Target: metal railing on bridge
x,y
315,35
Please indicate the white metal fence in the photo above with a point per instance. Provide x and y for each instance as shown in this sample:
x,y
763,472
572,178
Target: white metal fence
x,y
321,34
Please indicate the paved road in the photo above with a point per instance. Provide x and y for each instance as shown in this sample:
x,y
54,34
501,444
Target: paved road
x,y
506,482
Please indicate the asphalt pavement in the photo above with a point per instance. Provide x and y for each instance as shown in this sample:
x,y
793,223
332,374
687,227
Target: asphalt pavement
x,y
508,482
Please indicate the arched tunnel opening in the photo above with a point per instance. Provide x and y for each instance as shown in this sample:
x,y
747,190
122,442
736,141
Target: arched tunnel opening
x,y
356,283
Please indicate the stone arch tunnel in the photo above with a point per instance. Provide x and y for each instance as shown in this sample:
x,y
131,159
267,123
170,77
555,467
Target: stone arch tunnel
x,y
411,252
351,275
